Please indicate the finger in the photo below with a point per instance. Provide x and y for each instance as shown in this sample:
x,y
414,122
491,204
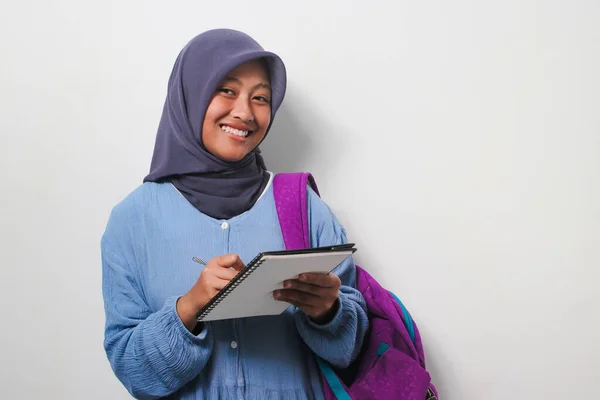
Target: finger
x,y
217,283
285,296
223,273
307,309
323,280
230,260
309,288
291,295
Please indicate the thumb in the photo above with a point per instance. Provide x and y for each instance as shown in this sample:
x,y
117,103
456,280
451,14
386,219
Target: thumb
x,y
230,260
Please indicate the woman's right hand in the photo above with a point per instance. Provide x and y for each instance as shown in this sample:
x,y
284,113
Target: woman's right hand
x,y
215,275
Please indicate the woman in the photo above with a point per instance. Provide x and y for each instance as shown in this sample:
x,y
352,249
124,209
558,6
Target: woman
x,y
208,194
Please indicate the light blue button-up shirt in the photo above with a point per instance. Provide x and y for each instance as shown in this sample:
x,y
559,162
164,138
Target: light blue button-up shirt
x,y
147,265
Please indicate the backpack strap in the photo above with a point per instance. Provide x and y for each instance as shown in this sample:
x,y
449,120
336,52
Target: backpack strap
x,y
408,321
290,194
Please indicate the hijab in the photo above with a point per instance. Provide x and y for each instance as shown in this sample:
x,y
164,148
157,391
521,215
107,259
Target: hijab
x,y
218,188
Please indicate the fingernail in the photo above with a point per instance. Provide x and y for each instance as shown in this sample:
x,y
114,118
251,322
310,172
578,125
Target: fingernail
x,y
303,277
287,285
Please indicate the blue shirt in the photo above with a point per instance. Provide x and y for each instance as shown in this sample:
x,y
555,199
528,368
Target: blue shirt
x,y
147,265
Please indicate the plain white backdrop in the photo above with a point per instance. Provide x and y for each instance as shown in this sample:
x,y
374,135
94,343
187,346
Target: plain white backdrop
x,y
458,142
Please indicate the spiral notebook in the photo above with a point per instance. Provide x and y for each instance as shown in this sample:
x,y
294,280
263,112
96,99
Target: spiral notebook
x,y
250,293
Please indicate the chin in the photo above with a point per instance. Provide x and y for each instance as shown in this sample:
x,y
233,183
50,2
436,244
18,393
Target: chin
x,y
231,157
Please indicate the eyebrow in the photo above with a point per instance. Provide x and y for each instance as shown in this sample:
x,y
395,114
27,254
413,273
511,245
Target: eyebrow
x,y
259,85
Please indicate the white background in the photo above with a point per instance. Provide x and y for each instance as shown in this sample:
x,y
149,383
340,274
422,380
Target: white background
x,y
458,142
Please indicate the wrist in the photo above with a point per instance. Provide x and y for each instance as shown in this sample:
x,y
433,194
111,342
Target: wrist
x,y
328,315
186,310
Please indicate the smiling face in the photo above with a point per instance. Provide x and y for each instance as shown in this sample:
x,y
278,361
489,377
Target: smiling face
x,y
239,113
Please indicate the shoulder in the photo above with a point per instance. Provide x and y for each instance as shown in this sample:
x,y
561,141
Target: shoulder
x,y
128,212
139,197
316,205
325,227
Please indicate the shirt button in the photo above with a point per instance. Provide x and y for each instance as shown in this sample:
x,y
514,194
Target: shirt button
x,y
234,344
224,225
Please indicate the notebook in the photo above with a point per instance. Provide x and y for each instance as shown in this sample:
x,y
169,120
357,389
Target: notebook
x,y
250,292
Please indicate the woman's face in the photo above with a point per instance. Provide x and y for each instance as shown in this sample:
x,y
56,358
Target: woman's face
x,y
239,113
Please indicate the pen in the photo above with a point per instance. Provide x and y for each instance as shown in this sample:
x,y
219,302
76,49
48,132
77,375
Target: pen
x,y
199,260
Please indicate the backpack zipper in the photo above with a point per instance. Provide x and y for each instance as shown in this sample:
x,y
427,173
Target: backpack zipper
x,y
430,394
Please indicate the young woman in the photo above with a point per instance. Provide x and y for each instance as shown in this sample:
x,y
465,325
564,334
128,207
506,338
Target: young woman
x,y
209,195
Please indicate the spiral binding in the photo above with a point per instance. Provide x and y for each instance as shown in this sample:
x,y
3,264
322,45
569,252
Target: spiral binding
x,y
214,302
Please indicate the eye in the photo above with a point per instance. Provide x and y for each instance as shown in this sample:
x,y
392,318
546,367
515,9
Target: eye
x,y
262,99
226,91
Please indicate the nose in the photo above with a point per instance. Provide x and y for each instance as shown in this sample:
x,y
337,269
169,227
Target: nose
x,y
242,110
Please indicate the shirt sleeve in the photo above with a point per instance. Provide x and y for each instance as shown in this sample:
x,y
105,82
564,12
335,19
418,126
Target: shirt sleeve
x,y
340,340
151,353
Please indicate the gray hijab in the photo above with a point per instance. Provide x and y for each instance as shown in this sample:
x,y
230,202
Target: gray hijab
x,y
218,188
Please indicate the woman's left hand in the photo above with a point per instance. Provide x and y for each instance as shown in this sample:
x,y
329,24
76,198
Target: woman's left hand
x,y
315,294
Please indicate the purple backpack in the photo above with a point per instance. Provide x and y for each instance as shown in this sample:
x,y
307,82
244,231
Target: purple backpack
x,y
391,364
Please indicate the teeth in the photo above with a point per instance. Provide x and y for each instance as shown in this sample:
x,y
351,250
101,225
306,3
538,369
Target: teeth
x,y
234,131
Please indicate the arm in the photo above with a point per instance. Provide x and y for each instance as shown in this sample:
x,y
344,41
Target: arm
x,y
339,340
152,353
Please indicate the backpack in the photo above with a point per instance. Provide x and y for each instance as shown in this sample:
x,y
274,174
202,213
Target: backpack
x,y
391,364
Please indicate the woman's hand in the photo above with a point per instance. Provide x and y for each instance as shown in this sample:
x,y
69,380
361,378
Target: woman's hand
x,y
215,275
315,294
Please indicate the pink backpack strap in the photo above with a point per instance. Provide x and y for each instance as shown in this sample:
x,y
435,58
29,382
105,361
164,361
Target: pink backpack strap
x,y
290,194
